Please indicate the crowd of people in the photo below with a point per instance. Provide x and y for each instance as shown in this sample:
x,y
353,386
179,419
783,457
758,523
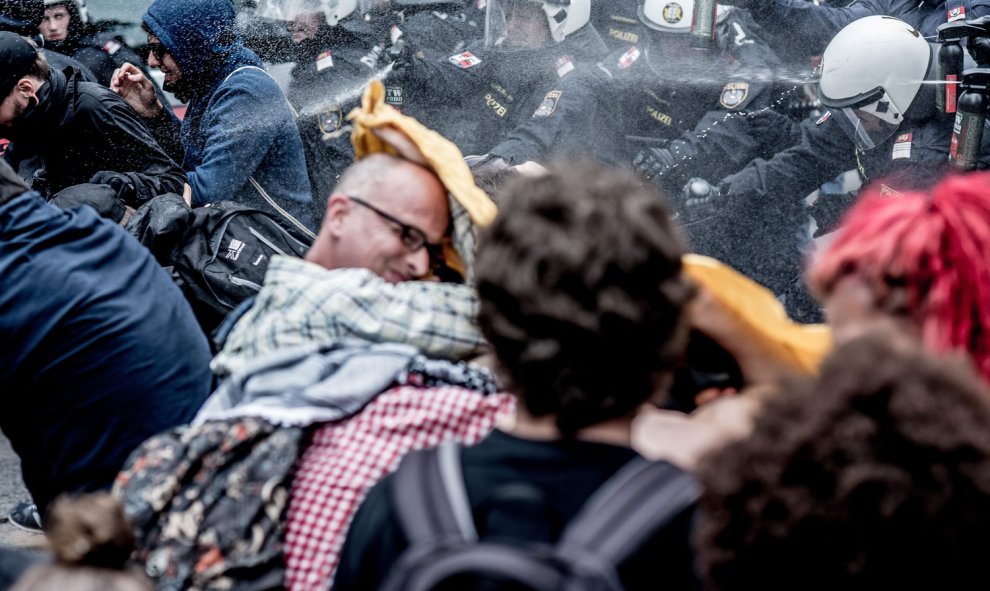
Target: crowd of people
x,y
498,294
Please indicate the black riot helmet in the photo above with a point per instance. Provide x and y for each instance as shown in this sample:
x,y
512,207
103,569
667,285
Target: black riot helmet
x,y
21,16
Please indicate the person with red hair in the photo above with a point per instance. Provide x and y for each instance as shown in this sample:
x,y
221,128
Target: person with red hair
x,y
919,263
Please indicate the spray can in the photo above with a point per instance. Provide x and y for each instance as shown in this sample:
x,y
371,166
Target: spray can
x,y
950,65
703,24
967,132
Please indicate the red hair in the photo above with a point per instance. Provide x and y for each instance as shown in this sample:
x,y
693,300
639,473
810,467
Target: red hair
x,y
936,248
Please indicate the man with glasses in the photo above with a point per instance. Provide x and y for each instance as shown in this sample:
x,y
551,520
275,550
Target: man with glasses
x,y
387,217
239,140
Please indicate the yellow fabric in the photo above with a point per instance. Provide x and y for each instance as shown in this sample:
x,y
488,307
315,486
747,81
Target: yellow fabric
x,y
441,155
801,345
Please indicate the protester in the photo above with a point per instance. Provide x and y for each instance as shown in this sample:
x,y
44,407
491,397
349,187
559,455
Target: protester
x,y
24,17
67,133
917,265
377,371
239,140
67,29
584,303
91,541
100,349
873,476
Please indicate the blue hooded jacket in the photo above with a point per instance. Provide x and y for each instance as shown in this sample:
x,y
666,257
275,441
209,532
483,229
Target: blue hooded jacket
x,y
239,123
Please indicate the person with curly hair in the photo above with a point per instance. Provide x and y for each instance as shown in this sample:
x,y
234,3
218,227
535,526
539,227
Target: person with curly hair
x,y
874,476
919,263
585,305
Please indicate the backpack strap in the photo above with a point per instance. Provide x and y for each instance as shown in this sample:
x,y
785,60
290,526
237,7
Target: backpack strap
x,y
639,500
430,498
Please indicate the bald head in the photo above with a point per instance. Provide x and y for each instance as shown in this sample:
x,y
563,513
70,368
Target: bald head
x,y
353,235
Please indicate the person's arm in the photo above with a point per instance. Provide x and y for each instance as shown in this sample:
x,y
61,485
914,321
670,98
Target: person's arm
x,y
131,84
799,28
245,118
823,153
149,170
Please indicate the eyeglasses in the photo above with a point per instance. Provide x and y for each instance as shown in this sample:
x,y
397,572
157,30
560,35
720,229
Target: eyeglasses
x,y
158,50
412,237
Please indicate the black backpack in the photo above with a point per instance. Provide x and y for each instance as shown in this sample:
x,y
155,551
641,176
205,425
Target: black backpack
x,y
429,496
224,255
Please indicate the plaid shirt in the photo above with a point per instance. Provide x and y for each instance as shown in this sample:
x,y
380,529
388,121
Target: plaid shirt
x,y
302,303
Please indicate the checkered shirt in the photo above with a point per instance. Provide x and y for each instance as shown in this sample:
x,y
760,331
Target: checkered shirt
x,y
346,459
305,304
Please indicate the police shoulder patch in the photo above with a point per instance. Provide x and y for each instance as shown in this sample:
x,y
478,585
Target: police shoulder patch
x,y
734,94
465,60
549,104
324,60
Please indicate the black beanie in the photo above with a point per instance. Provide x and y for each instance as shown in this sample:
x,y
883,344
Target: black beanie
x,y
17,57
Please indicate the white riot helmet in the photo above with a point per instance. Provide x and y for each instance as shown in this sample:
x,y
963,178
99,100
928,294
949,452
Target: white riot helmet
x,y
80,6
333,10
873,70
673,16
562,17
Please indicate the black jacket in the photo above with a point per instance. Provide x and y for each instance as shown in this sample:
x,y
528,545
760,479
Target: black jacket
x,y
477,96
80,128
637,99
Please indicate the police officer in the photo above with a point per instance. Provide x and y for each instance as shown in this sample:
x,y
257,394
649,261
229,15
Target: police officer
x,y
67,29
701,105
799,28
334,62
882,122
476,96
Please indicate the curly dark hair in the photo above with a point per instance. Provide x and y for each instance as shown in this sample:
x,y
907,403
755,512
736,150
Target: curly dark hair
x,y
876,476
582,296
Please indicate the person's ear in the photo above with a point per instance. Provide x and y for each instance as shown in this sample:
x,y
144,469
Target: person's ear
x,y
338,208
29,89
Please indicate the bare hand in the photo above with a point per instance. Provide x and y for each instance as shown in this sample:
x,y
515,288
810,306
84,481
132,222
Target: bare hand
x,y
134,87
187,194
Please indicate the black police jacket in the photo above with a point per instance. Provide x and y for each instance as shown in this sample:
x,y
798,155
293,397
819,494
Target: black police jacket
x,y
636,100
798,28
79,128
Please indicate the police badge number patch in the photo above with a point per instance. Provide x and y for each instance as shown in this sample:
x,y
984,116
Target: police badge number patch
x,y
549,104
734,94
465,60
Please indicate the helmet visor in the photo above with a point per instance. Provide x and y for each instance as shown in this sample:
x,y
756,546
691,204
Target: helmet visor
x,y
866,129
516,24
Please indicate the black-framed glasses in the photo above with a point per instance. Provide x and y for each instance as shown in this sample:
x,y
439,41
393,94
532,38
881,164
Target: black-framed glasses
x,y
412,237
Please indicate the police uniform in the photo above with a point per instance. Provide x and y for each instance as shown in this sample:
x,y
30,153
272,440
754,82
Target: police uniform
x,y
760,229
477,96
630,103
617,21
798,28
330,73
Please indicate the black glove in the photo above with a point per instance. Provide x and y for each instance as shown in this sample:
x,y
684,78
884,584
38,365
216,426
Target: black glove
x,y
979,49
699,201
828,209
122,184
404,62
100,197
653,163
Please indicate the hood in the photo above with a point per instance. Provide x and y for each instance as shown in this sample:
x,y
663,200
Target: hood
x,y
77,28
201,36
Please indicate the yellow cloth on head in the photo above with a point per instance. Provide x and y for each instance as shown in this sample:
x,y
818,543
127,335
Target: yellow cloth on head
x,y
802,346
440,154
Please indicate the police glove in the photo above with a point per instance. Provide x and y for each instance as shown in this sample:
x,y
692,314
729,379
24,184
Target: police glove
x,y
828,210
653,163
699,200
979,49
121,183
404,62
